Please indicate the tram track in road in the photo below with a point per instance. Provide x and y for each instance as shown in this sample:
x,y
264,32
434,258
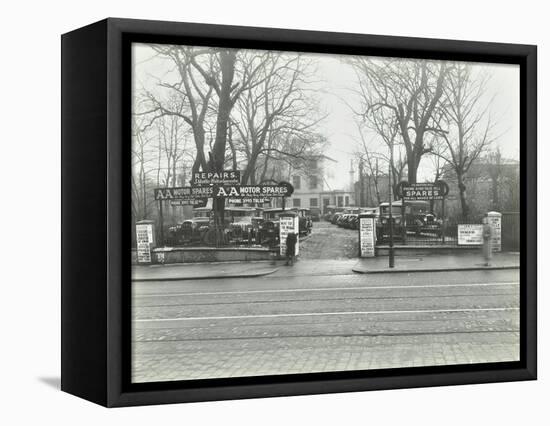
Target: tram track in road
x,y
326,335
335,299
329,289
314,314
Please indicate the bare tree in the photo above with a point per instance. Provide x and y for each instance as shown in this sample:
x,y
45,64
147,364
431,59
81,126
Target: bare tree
x,y
370,158
465,123
280,105
404,93
495,172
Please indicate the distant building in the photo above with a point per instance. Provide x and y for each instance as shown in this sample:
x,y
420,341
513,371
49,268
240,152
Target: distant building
x,y
371,192
312,188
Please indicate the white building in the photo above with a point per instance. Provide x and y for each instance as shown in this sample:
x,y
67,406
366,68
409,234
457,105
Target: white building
x,y
312,186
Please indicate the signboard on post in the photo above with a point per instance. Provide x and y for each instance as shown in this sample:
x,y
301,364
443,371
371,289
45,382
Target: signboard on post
x,y
288,223
251,191
227,177
145,240
367,235
182,193
470,234
422,191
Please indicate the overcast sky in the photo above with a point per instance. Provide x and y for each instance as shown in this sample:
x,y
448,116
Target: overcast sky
x,y
336,78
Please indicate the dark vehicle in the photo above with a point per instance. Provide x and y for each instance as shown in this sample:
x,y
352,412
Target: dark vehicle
x,y
315,214
331,213
189,231
304,221
346,219
416,221
240,222
353,221
341,219
268,229
334,218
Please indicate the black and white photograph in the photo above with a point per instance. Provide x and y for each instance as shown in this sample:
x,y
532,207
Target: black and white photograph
x,y
301,213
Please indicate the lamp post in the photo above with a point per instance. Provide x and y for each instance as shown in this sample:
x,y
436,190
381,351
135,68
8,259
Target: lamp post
x,y
391,256
361,185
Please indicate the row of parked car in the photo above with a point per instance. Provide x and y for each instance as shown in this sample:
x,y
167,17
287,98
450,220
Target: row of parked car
x,y
412,219
349,218
250,225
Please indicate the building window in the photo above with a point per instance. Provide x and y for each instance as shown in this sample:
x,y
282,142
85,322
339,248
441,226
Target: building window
x,y
340,201
313,164
313,182
296,181
296,202
347,200
313,202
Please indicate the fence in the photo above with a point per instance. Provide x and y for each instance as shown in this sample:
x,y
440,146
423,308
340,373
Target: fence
x,y
211,235
423,231
510,231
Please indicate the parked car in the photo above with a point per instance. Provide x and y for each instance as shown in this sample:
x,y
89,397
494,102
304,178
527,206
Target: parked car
x,y
353,221
315,214
269,228
304,221
416,220
331,212
189,231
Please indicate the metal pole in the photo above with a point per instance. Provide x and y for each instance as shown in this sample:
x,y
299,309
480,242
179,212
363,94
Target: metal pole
x,y
443,219
161,223
361,185
391,257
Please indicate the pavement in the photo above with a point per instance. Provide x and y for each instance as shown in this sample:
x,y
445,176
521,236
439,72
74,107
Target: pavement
x,y
436,263
403,264
202,271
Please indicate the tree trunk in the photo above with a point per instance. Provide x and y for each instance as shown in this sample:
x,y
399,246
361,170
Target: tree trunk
x,y
200,159
462,192
227,65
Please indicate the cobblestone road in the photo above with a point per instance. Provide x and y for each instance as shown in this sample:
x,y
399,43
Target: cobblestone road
x,y
288,323
329,241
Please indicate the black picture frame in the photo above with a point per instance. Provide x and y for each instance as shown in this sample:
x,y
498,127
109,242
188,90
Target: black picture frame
x,y
95,212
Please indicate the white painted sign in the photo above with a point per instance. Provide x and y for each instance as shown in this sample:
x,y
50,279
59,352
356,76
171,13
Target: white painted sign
x,y
470,234
288,224
367,233
144,237
495,220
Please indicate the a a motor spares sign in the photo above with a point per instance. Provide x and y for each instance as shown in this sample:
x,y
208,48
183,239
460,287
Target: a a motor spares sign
x,y
250,193
287,224
470,234
184,195
229,177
